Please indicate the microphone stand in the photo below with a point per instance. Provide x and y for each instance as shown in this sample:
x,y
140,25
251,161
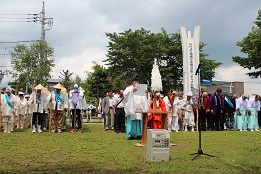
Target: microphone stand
x,y
200,151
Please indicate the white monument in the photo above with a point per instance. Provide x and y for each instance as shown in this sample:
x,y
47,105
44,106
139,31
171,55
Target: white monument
x,y
190,50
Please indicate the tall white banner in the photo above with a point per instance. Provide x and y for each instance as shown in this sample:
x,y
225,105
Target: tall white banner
x,y
190,50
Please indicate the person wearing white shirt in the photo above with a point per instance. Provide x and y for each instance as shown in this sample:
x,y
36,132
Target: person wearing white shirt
x,y
21,107
242,111
39,103
76,106
134,105
254,106
187,106
172,108
89,108
28,111
8,102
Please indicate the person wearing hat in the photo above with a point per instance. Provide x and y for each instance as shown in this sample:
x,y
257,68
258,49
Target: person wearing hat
x,y
58,104
187,107
8,102
20,108
216,109
156,119
39,102
76,106
134,103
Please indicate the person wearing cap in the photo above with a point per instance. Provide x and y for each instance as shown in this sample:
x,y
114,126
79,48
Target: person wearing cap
x,y
8,102
58,104
20,108
39,102
156,119
134,103
216,109
76,106
187,107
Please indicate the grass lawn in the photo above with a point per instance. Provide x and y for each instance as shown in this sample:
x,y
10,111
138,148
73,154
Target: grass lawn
x,y
99,151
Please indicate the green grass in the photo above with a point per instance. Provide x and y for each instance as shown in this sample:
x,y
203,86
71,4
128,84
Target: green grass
x,y
99,151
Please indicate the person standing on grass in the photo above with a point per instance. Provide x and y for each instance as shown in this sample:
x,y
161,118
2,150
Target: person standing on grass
x,y
242,111
28,111
8,101
20,107
134,103
254,107
155,118
172,103
58,104
89,108
229,111
39,101
108,111
119,112
188,109
216,108
76,106
204,101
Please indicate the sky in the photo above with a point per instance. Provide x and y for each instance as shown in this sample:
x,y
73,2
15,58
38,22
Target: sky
x,y
79,26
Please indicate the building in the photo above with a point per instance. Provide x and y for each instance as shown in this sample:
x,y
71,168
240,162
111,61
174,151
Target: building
x,y
227,87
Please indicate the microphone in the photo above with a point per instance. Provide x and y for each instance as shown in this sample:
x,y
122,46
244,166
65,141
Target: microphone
x,y
197,71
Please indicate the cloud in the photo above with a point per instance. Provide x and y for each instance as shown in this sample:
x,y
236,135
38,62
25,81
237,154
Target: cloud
x,y
234,73
78,32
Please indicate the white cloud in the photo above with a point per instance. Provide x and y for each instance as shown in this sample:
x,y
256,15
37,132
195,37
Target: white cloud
x,y
234,73
78,33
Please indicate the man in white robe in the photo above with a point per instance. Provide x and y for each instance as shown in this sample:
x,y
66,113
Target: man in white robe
x,y
21,106
8,102
39,103
133,105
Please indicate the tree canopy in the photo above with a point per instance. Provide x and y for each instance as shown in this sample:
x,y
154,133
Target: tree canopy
x,y
250,46
133,52
31,64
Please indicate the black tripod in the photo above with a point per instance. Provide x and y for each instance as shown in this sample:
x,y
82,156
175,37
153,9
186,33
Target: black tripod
x,y
200,151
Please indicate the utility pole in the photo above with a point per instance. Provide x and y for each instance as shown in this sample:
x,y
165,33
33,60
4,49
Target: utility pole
x,y
45,20
43,23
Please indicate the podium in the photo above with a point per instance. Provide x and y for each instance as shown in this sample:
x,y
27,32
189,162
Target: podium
x,y
145,123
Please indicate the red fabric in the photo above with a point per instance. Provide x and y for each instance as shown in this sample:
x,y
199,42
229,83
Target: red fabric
x,y
206,103
156,119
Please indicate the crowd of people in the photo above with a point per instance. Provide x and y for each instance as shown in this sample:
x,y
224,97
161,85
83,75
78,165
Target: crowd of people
x,y
123,111
43,108
214,111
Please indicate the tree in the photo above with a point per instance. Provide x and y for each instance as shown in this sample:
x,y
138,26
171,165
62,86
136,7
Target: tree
x,y
66,79
250,45
133,52
97,82
32,64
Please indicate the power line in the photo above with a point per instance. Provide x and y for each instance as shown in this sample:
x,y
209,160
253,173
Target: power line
x,y
17,41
